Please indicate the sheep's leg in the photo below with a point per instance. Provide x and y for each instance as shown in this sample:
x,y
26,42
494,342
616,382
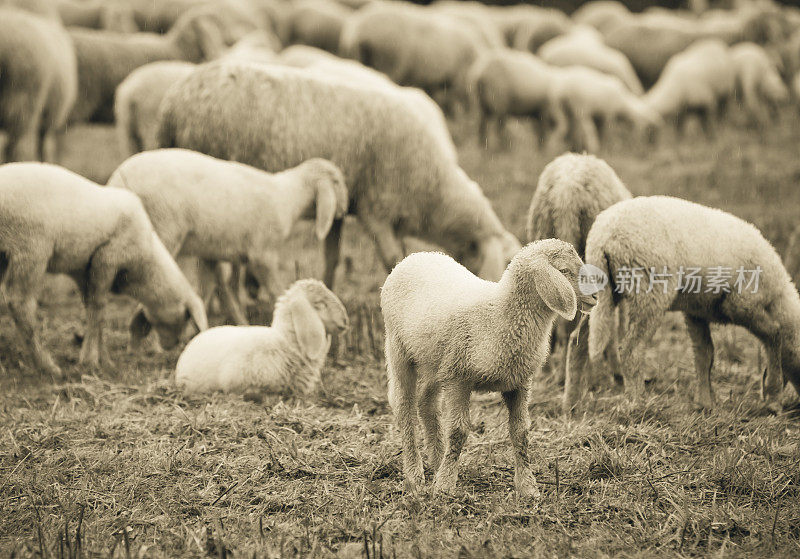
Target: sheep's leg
x,y
558,136
700,334
577,366
263,268
333,247
226,296
708,116
389,248
402,397
97,284
23,310
772,381
639,331
456,400
483,128
589,132
429,417
518,424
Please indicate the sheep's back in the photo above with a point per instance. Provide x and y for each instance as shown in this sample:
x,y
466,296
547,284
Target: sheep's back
x,y
426,297
658,231
276,118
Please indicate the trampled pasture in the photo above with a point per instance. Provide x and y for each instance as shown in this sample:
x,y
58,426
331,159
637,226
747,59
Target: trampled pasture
x,y
118,463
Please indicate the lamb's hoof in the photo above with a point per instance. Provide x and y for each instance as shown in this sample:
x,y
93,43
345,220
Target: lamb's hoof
x,y
527,487
444,485
704,403
774,406
414,480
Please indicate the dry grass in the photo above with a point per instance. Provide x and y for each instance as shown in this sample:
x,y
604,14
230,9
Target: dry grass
x,y
120,464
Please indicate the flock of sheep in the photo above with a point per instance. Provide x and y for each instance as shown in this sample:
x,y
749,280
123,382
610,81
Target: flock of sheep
x,y
242,117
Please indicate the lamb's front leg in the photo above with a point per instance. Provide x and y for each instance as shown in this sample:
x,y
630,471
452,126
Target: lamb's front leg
x,y
518,423
99,278
456,401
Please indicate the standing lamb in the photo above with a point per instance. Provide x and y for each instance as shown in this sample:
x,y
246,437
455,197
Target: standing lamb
x,y
582,47
758,82
450,332
699,80
706,263
402,181
583,102
106,58
54,221
572,190
225,211
38,84
285,357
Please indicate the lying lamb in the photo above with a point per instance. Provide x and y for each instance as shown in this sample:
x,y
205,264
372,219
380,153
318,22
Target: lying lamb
x,y
285,357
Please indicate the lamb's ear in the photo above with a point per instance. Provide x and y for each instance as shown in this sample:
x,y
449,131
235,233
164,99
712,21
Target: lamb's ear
x,y
197,313
140,327
308,327
209,38
326,209
555,290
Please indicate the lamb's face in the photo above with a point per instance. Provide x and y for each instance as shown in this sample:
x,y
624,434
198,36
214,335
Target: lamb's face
x,y
328,307
563,257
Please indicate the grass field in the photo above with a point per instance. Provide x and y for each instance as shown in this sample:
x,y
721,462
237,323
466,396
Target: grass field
x,y
117,463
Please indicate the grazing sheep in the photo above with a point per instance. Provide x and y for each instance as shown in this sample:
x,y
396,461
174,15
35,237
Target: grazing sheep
x,y
225,211
580,47
38,84
758,82
699,80
584,101
510,83
285,357
429,113
414,46
601,14
317,23
105,58
572,190
139,96
740,280
402,180
54,221
450,332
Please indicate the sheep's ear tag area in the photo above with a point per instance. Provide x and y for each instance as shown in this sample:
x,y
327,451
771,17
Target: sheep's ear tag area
x,y
555,290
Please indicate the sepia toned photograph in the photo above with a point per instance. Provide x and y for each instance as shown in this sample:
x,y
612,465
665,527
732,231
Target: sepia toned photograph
x,y
383,279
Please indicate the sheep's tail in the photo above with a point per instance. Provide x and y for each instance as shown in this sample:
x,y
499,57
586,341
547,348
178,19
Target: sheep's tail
x,y
602,324
125,115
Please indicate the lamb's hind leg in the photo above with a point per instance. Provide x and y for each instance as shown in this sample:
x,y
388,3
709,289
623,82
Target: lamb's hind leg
x,y
518,423
22,280
429,417
402,397
456,402
700,335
